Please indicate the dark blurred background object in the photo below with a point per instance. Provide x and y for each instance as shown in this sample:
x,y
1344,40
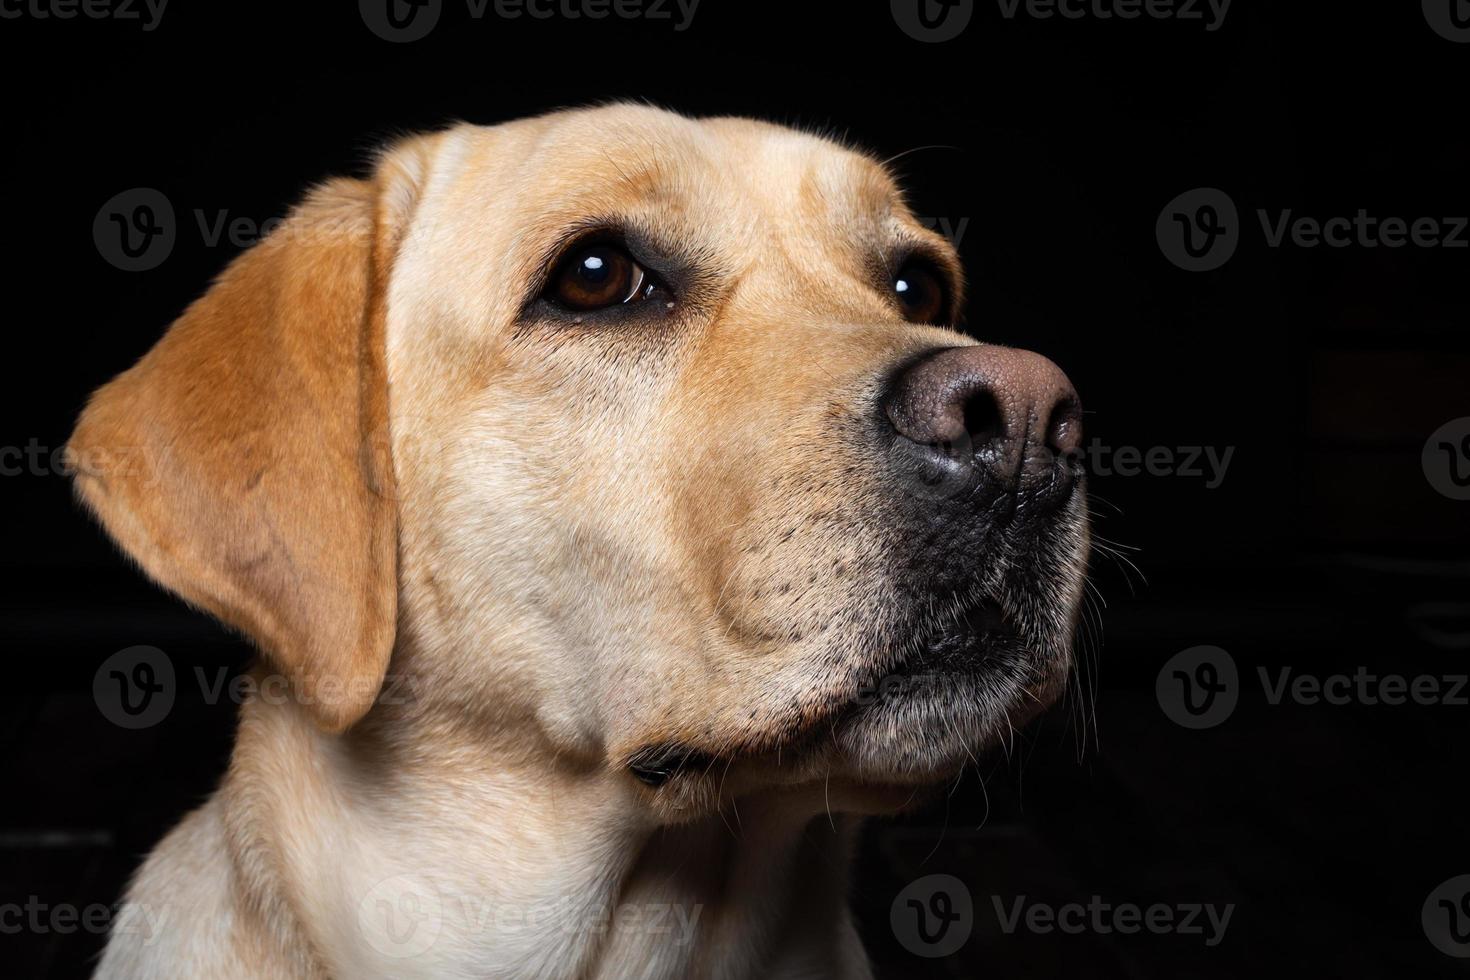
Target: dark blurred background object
x,y
1327,537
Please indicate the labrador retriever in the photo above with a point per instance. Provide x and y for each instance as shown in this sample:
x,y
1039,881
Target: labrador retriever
x,y
623,518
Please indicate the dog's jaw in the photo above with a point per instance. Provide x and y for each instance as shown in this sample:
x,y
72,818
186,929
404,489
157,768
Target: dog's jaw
x,y
897,717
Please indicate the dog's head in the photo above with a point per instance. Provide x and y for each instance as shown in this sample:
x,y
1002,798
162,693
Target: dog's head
x,y
645,438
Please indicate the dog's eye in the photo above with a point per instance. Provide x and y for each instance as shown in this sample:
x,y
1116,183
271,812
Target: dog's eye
x,y
596,276
921,293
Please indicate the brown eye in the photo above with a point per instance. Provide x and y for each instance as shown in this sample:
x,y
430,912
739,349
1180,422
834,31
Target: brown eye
x,y
921,294
598,276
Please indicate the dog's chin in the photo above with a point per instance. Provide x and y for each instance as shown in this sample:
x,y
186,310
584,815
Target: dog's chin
x,y
963,686
912,721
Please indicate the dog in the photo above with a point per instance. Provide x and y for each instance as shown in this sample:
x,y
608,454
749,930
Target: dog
x,y
622,517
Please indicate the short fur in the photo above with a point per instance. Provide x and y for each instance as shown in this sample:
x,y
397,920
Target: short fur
x,y
510,563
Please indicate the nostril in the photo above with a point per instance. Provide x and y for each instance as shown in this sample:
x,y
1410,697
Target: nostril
x,y
983,420
1064,428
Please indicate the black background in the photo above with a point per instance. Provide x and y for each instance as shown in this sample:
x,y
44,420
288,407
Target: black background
x,y
1324,548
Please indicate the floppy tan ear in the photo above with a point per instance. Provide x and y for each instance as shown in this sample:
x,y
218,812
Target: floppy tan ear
x,y
265,490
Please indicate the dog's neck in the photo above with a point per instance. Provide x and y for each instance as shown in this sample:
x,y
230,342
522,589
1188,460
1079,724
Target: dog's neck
x,y
386,858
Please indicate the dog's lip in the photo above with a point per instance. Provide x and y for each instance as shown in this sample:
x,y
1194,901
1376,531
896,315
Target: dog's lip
x,y
956,640
949,665
983,616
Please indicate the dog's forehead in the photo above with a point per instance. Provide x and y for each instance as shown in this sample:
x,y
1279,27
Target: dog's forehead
x,y
628,158
779,214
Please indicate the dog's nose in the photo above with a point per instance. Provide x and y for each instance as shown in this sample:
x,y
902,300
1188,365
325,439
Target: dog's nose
x,y
1008,417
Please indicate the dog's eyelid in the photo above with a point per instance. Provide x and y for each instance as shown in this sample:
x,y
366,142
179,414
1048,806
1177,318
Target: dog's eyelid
x,y
666,271
643,246
599,273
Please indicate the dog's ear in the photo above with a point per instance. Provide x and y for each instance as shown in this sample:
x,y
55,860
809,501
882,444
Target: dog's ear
x,y
261,485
